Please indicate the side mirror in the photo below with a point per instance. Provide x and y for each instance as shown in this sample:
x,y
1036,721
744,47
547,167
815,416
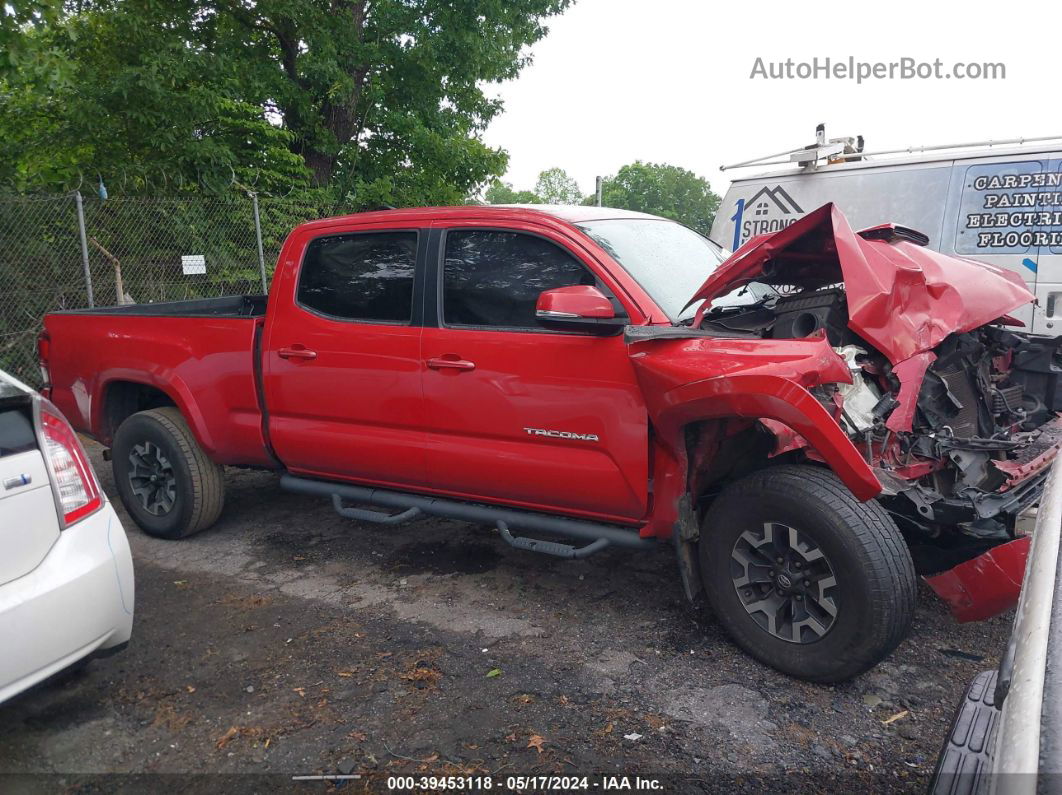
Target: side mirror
x,y
578,308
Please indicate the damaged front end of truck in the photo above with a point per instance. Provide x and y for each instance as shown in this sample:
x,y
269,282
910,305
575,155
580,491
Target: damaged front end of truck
x,y
948,405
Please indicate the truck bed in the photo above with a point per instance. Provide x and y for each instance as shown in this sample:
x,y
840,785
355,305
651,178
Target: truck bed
x,y
199,355
228,306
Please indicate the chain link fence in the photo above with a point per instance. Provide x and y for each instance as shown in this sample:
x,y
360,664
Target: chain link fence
x,y
71,252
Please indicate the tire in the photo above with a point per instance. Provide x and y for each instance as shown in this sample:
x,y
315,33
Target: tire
x,y
872,600
190,488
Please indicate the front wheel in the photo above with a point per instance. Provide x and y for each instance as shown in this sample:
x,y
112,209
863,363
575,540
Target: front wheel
x,y
803,576
166,482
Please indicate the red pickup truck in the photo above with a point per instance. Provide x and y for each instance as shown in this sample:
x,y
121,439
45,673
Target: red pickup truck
x,y
808,421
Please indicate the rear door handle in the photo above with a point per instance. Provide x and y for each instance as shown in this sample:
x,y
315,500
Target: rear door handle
x,y
296,352
450,363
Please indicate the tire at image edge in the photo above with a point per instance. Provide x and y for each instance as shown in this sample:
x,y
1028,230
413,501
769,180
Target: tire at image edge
x,y
876,580
200,487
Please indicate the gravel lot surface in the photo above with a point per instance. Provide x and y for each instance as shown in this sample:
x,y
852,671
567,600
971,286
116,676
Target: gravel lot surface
x,y
286,640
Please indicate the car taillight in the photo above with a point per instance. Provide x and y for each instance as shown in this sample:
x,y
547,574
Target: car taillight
x,y
77,492
44,350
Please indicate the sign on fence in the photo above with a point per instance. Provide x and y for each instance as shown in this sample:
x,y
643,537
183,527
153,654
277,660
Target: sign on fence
x,y
193,264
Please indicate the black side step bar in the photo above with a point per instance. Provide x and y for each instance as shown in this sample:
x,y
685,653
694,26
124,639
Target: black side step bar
x,y
469,512
373,516
554,548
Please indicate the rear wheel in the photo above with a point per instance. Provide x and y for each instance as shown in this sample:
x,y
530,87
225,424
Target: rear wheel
x,y
803,576
166,482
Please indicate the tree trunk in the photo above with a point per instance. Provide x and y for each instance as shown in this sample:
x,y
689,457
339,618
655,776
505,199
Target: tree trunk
x,y
321,165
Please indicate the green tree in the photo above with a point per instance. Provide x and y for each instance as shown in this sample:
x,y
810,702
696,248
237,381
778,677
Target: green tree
x,y
503,193
382,101
554,186
131,100
17,17
665,190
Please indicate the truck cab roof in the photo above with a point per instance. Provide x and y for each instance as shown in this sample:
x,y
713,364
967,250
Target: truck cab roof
x,y
569,213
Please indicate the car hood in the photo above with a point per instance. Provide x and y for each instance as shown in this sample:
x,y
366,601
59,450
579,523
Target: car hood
x,y
903,298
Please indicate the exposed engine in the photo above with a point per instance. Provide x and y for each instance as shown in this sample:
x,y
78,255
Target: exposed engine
x,y
983,427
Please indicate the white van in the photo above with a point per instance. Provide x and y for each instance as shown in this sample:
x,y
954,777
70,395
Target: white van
x,y
1002,206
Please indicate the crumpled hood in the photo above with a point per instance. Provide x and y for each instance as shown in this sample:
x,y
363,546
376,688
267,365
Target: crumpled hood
x,y
903,298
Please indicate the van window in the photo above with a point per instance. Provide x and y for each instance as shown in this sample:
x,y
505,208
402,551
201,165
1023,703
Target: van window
x,y
1055,206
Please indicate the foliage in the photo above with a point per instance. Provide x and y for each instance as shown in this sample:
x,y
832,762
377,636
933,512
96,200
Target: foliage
x,y
503,193
554,186
665,190
132,102
659,189
17,16
381,102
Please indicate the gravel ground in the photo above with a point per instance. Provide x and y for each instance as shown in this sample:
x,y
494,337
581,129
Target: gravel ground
x,y
286,640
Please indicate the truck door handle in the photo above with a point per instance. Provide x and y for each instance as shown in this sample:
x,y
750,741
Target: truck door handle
x,y
296,352
450,362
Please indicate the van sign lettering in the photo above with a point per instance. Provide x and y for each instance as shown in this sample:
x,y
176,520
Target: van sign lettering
x,y
1010,208
769,210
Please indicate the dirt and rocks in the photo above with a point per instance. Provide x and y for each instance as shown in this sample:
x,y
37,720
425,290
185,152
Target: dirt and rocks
x,y
287,640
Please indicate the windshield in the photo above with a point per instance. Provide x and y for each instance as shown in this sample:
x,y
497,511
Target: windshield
x,y
668,260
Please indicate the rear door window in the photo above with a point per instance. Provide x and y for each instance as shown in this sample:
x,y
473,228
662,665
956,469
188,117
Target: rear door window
x,y
365,276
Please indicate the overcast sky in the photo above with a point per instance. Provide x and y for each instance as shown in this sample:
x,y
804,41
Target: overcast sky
x,y
668,81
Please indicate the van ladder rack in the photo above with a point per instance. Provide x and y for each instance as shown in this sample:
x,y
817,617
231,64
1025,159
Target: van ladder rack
x,y
844,149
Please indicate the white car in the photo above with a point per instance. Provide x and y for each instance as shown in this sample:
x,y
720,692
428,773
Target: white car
x,y
66,573
1006,737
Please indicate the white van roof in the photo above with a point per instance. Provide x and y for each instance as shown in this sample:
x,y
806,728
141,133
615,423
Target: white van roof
x,y
887,161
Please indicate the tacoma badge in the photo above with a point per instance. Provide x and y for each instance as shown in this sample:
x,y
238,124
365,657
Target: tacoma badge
x,y
583,437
